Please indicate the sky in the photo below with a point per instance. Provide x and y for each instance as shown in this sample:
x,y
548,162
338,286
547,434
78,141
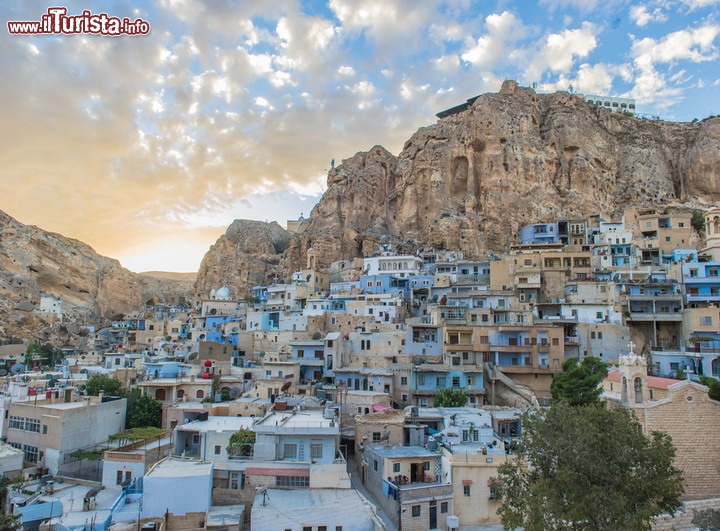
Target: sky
x,y
148,146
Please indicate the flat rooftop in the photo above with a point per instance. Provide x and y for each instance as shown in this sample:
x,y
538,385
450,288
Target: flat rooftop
x,y
401,451
281,509
178,467
219,424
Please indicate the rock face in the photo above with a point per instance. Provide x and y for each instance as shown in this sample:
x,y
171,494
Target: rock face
x,y
247,255
93,288
509,159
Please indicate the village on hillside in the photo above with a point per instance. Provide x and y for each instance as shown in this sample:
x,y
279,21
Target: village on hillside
x,y
323,402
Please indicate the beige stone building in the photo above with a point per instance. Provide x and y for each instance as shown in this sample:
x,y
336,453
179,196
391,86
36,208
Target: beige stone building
x,y
681,409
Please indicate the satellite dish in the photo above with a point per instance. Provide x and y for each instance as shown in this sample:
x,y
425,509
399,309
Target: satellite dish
x,y
17,368
168,338
202,336
3,371
385,436
234,392
52,383
193,355
286,386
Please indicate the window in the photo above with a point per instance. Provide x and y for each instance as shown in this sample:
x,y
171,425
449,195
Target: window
x,y
396,468
31,453
316,450
674,366
338,528
466,490
416,511
218,450
592,335
322,528
375,465
403,380
290,481
426,466
200,394
290,451
444,507
599,335
17,422
705,320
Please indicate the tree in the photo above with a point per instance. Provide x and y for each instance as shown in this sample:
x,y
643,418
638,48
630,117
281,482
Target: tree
x,y
713,386
698,220
449,397
588,467
241,443
10,522
108,385
707,520
142,411
579,383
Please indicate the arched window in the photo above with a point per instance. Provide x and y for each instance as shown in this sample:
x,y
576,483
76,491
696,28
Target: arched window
x,y
624,390
715,367
638,391
199,393
362,345
159,394
181,393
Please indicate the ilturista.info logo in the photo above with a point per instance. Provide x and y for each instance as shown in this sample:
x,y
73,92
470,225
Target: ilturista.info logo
x,y
57,21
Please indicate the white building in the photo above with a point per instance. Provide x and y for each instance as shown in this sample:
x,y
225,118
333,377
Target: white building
x,y
330,509
178,486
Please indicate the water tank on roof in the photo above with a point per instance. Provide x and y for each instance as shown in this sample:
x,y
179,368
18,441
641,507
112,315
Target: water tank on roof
x,y
453,522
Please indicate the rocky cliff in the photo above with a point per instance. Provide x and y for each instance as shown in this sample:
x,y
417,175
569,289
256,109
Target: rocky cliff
x,y
92,288
502,161
247,255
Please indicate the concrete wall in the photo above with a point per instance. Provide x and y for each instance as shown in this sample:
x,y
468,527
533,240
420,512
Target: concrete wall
x,y
178,495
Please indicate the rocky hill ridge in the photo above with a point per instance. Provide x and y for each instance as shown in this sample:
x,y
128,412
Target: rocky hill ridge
x,y
93,288
485,169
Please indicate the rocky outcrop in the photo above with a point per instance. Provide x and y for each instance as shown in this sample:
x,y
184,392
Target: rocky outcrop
x,y
470,181
247,255
92,288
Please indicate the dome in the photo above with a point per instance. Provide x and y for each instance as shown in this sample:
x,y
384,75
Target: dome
x,y
223,293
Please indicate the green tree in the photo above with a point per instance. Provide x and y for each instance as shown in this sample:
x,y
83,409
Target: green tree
x,y
10,522
579,383
713,386
449,397
142,411
241,443
707,520
588,467
107,384
698,220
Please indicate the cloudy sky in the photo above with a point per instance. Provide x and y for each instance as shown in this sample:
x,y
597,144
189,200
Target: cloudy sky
x,y
148,147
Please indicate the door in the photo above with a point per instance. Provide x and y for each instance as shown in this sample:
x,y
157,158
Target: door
x,y
433,515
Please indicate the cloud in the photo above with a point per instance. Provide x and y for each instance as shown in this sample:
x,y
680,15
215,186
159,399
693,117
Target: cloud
x,y
640,15
693,45
503,30
558,52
